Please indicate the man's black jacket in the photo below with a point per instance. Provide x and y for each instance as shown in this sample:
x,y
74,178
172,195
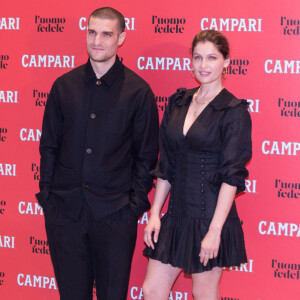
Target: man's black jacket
x,y
99,142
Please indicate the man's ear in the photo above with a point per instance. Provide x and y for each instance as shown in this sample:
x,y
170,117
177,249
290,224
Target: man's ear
x,y
122,38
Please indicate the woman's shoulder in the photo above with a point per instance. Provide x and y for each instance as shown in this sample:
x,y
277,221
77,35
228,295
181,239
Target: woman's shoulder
x,y
182,95
226,100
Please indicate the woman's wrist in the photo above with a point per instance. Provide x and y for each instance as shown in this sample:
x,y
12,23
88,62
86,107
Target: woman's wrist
x,y
216,229
154,212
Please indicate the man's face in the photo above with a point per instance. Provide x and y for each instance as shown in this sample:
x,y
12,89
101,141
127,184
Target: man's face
x,y
103,39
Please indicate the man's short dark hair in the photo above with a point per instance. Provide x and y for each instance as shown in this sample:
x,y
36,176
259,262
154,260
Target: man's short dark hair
x,y
111,14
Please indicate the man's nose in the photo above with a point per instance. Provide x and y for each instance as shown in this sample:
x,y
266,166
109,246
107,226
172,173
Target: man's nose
x,y
97,40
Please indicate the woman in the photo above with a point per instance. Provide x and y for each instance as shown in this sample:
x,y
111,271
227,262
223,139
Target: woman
x,y
205,144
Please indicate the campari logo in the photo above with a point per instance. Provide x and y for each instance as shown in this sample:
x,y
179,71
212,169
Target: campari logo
x,y
47,61
286,270
3,133
232,24
136,293
248,268
145,218
4,58
9,23
2,276
287,190
282,66
164,63
250,186
280,148
7,241
49,24
8,169
168,25
279,229
290,26
39,246
129,23
40,97
253,105
35,169
289,108
2,207
29,208
29,134
9,97
36,281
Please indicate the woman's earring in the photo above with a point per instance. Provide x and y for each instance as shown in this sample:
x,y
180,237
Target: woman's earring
x,y
225,72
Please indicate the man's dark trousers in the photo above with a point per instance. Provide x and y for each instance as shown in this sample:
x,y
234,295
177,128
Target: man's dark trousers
x,y
86,250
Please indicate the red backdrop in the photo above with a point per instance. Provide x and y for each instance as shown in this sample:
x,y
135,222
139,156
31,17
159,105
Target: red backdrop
x,y
41,40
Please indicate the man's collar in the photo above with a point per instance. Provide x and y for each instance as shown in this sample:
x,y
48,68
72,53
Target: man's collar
x,y
89,72
109,77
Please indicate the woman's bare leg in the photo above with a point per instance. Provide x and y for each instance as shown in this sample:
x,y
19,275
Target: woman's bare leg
x,y
206,284
159,280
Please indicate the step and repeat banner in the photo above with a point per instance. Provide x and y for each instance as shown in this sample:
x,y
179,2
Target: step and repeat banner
x,y
41,40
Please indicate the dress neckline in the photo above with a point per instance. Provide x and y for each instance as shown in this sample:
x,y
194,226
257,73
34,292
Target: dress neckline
x,y
196,119
201,113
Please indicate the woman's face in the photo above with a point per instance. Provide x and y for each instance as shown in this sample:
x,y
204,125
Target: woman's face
x,y
208,63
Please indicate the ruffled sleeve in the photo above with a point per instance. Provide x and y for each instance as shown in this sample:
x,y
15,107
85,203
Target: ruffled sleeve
x,y
164,166
236,149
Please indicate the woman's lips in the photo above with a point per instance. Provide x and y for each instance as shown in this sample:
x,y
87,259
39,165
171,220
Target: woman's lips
x,y
204,73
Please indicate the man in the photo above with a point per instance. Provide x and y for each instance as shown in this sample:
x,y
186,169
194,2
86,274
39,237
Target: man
x,y
99,141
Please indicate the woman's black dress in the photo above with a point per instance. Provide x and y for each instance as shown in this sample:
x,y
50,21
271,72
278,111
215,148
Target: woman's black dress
x,y
215,150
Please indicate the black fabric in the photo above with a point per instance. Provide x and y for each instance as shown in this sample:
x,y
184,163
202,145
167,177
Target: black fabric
x,y
215,150
99,141
85,249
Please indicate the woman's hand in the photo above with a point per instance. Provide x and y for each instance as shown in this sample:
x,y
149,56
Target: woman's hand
x,y
210,245
152,226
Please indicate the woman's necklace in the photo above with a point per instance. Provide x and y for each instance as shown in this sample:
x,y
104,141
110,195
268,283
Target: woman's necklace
x,y
198,104
196,97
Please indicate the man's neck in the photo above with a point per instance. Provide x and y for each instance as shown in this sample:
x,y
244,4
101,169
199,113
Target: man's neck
x,y
101,68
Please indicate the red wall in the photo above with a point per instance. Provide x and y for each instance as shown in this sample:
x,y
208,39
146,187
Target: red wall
x,y
264,38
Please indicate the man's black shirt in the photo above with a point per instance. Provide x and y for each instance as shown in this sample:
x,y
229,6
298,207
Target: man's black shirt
x,y
99,142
